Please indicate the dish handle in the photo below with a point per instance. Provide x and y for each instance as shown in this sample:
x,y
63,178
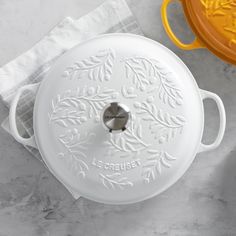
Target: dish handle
x,y
194,45
12,116
208,95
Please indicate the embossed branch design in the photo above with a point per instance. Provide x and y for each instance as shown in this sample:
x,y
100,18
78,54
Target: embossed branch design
x,y
135,71
76,107
128,142
115,181
145,73
128,92
231,29
218,7
98,67
163,125
155,164
75,146
225,9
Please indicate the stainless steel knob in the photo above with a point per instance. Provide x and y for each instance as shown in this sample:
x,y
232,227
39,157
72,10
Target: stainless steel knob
x,y
116,116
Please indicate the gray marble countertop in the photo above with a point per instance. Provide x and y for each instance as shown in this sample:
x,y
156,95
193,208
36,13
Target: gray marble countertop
x,y
202,202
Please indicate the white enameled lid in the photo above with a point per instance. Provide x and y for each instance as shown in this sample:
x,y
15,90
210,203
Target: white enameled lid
x,y
143,151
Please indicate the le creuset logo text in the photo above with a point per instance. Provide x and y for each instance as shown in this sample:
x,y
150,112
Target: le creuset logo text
x,y
114,117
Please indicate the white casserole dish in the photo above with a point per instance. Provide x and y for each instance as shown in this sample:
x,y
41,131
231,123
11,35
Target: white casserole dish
x,y
138,90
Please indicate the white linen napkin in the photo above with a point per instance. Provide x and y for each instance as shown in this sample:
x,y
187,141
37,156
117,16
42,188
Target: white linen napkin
x,y
32,66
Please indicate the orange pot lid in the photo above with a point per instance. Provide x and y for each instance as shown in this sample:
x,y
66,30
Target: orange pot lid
x,y
214,23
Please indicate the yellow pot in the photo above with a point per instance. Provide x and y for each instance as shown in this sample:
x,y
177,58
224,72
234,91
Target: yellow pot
x,y
212,21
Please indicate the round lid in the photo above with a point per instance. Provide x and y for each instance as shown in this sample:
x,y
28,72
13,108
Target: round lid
x,y
214,22
118,119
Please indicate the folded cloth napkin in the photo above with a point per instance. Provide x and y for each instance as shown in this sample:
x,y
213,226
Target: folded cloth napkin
x,y
32,66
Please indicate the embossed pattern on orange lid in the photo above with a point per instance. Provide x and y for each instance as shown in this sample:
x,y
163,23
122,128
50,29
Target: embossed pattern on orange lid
x,y
214,22
214,25
222,16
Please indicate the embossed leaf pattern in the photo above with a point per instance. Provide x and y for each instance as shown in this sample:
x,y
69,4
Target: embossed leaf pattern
x,y
169,93
147,72
78,166
136,71
218,7
75,143
155,164
163,125
98,67
225,9
75,146
115,181
76,107
128,92
127,142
